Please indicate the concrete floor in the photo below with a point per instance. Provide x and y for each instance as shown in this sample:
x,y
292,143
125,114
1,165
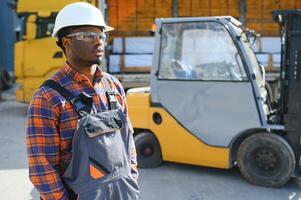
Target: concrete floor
x,y
169,181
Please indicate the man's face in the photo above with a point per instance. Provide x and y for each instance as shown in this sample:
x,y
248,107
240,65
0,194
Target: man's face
x,y
83,48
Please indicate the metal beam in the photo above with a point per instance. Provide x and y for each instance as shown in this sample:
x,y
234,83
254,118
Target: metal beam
x,y
242,11
175,8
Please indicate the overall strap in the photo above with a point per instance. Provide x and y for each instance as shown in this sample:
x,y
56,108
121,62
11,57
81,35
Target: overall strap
x,y
111,96
78,102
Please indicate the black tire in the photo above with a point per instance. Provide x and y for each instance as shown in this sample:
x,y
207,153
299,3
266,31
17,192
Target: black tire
x,y
148,150
6,79
266,159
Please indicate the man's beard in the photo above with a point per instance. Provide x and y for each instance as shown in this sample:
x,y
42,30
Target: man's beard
x,y
97,61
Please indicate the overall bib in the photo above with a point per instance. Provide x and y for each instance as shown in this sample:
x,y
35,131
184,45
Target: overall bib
x,y
100,168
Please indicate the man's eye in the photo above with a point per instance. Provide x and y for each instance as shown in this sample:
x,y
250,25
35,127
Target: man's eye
x,y
90,37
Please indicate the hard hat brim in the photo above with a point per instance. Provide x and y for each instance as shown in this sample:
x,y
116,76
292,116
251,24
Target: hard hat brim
x,y
108,28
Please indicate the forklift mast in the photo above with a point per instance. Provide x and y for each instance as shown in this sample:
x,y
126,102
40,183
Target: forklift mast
x,y
290,100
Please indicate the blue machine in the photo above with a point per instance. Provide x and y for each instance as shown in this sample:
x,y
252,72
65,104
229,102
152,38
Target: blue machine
x,y
7,39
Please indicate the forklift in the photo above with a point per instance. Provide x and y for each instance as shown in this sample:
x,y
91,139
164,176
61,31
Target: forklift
x,y
208,103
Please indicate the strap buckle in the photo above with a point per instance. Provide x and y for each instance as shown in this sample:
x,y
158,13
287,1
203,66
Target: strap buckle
x,y
112,100
82,103
78,106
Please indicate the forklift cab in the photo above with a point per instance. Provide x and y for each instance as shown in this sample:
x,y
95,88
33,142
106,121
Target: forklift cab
x,y
207,76
208,104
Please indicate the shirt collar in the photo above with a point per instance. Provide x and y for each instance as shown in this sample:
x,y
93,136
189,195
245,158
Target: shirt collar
x,y
76,76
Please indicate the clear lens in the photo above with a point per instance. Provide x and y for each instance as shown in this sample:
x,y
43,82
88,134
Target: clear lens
x,y
88,36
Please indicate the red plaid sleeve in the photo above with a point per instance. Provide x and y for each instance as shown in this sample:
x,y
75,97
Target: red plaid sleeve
x,y
43,144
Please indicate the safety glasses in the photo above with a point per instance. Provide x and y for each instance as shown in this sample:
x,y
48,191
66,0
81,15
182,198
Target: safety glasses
x,y
88,36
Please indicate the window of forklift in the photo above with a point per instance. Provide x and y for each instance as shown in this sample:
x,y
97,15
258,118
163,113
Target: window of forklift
x,y
199,51
45,26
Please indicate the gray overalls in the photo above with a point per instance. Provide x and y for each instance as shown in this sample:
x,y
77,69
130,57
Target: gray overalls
x,y
100,168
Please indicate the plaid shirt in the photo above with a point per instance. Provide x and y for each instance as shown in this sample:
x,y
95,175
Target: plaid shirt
x,y
51,123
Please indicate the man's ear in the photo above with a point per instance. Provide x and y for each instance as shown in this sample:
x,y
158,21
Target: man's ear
x,y
66,42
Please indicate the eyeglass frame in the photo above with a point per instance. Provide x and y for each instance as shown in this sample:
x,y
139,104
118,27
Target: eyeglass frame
x,y
80,35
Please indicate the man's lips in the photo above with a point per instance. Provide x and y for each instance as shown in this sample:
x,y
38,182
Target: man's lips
x,y
98,52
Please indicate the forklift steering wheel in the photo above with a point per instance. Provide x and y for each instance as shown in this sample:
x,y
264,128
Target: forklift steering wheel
x,y
178,65
182,70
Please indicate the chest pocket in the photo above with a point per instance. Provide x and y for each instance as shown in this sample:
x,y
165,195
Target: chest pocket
x,y
104,139
105,122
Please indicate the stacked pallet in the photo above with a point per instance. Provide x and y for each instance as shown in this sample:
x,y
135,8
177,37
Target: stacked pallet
x,y
131,54
268,53
134,54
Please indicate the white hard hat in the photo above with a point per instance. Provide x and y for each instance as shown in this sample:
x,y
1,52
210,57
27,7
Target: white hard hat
x,y
78,14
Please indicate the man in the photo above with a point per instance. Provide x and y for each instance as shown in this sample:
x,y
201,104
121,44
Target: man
x,y
79,138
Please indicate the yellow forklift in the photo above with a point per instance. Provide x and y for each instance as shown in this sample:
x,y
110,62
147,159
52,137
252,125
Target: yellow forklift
x,y
208,104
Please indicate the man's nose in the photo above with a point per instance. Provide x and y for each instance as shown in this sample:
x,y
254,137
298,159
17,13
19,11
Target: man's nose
x,y
98,40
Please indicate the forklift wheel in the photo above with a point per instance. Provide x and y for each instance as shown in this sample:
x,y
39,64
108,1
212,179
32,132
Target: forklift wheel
x,y
148,150
266,159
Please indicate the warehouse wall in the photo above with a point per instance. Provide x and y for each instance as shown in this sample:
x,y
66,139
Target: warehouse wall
x,y
258,15
135,17
208,8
